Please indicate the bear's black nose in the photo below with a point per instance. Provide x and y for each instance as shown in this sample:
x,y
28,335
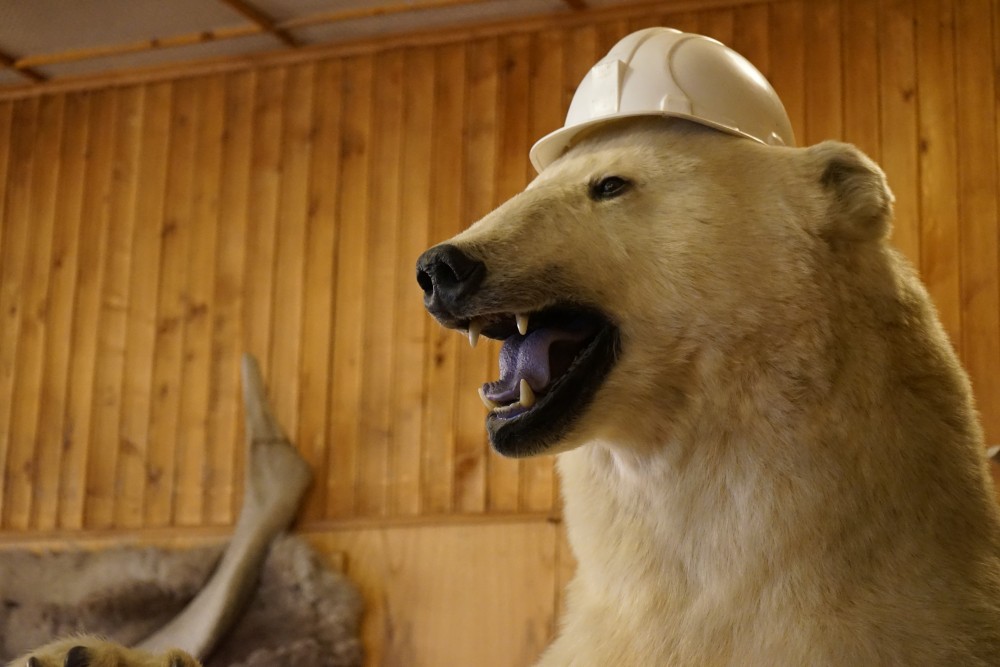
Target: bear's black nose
x,y
447,275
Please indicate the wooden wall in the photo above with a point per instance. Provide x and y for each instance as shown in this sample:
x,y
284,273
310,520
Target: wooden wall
x,y
152,232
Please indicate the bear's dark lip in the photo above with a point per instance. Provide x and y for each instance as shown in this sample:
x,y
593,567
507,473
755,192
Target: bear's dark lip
x,y
529,431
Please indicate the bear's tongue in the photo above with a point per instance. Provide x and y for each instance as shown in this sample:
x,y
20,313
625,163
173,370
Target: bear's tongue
x,y
533,358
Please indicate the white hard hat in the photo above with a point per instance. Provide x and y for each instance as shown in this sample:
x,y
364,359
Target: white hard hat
x,y
666,72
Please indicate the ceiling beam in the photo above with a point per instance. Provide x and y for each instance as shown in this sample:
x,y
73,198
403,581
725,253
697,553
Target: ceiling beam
x,y
7,60
261,20
370,11
22,64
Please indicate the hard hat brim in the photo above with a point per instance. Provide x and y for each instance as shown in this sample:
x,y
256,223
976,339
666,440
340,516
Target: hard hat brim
x,y
551,147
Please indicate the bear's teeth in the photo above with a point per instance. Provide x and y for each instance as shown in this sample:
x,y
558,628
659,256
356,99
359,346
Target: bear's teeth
x,y
525,401
527,396
488,402
475,326
522,323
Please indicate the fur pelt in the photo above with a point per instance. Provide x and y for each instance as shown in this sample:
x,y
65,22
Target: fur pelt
x,y
302,614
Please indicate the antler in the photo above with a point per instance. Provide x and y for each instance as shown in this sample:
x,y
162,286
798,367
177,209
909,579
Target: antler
x,y
276,480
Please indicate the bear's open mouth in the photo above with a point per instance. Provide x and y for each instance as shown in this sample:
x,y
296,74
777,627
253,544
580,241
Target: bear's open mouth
x,y
551,364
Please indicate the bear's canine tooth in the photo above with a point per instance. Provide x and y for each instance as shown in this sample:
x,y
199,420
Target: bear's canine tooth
x,y
522,324
475,326
488,402
527,396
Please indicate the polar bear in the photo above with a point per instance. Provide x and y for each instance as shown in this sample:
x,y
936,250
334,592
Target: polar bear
x,y
769,452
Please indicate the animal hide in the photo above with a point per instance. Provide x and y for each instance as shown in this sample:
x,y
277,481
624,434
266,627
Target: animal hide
x,y
301,614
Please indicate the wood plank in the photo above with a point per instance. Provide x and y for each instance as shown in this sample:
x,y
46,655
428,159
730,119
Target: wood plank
x,y
859,50
262,228
685,21
979,231
140,335
290,244
495,580
582,52
175,236
102,121
193,447
106,405
224,423
320,268
6,138
719,24
752,38
445,208
348,330
787,62
476,366
22,461
411,334
610,33
939,236
897,73
823,88
16,240
376,430
265,197
60,308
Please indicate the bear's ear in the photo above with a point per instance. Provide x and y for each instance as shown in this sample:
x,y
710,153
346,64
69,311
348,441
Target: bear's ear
x,y
859,200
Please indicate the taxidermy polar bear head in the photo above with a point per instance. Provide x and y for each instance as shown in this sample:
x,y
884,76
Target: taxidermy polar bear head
x,y
660,269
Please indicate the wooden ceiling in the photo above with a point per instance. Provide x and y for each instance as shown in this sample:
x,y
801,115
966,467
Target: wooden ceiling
x,y
44,41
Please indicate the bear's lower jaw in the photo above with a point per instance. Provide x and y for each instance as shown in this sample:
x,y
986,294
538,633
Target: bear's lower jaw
x,y
539,427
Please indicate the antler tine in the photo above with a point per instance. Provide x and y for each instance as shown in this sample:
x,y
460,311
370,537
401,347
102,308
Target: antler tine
x,y
261,423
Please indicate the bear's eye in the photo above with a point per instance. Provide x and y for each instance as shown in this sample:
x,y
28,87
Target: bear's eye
x,y
608,187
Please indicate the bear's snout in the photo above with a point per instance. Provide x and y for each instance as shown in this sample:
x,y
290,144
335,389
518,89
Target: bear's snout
x,y
448,275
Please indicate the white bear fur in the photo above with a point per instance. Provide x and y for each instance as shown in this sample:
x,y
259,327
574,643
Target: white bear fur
x,y
785,466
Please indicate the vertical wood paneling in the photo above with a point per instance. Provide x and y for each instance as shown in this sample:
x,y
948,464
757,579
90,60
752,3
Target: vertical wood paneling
x,y
348,335
228,298
376,427
17,211
823,97
897,74
320,269
752,38
787,58
59,309
976,120
261,225
939,260
95,224
142,308
290,244
442,347
172,310
409,371
719,24
6,138
29,363
153,233
102,478
192,447
859,35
